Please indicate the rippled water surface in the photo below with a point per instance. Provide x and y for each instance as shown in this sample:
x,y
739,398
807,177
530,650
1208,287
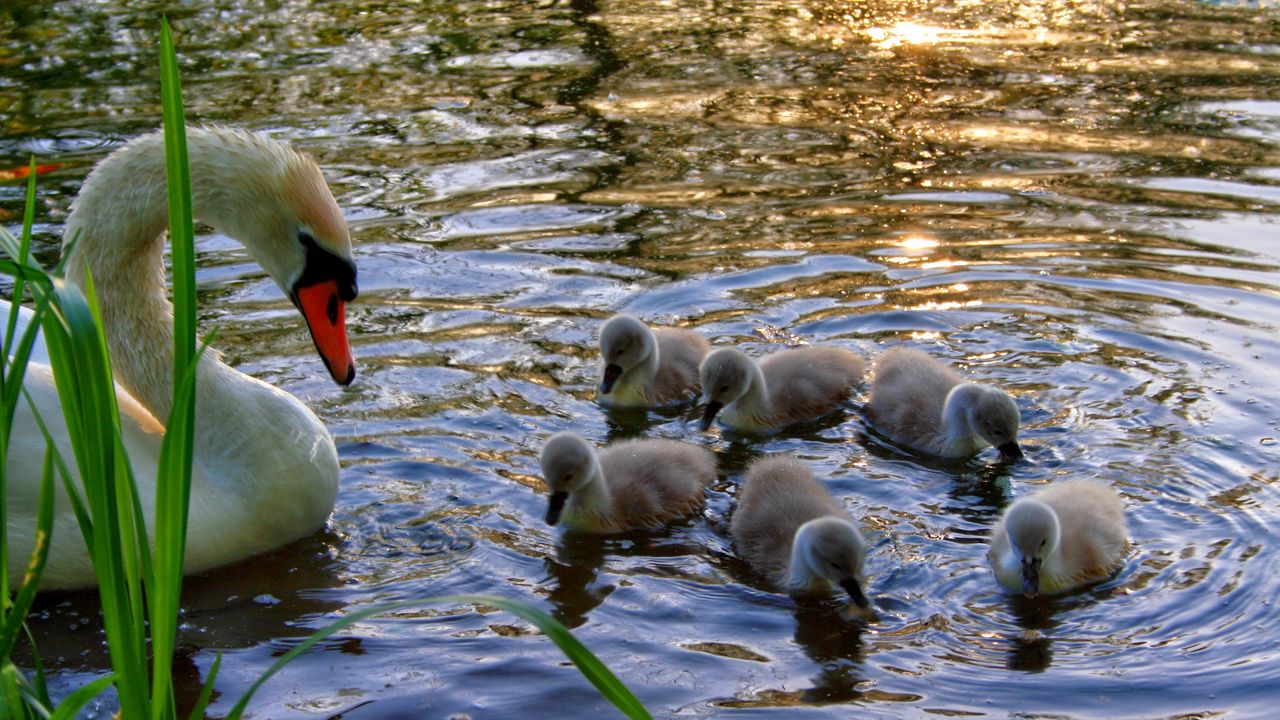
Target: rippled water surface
x,y
1077,200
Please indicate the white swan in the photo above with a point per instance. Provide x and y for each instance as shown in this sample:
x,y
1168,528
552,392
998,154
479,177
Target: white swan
x,y
266,469
785,387
1067,535
648,367
629,485
788,528
919,402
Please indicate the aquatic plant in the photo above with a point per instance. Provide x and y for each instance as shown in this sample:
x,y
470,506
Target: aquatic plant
x,y
140,583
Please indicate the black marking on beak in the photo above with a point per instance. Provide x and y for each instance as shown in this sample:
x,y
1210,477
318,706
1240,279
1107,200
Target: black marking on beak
x,y
1031,577
854,589
555,506
321,266
1010,451
709,414
612,372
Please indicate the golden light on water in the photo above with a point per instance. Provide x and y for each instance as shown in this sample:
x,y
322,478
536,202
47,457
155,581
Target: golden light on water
x,y
918,242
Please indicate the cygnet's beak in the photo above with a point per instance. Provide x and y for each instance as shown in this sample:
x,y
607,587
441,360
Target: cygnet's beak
x,y
612,372
322,306
854,589
1031,577
1010,451
555,506
709,414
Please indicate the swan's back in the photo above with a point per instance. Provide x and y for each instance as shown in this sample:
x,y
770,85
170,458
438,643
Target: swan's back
x,y
653,482
779,494
908,391
680,353
1094,535
809,382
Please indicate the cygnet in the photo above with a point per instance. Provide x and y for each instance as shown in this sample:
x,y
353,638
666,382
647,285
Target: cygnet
x,y
785,387
921,403
648,367
1070,534
630,485
788,528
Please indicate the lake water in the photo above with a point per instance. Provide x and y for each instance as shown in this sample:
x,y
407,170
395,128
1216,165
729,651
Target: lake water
x,y
1079,201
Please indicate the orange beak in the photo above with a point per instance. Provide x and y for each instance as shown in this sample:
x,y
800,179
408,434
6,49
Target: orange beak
x,y
326,317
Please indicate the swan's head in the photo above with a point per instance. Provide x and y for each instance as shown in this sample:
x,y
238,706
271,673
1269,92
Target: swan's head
x,y
726,375
992,415
275,200
568,464
831,548
1033,531
625,342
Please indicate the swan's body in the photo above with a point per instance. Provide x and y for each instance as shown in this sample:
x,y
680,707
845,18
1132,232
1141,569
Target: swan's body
x,y
785,387
265,468
921,403
788,528
648,367
1068,535
629,485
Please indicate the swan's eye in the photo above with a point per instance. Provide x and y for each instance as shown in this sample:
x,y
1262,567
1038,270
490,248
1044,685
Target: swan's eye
x,y
724,388
306,239
1044,542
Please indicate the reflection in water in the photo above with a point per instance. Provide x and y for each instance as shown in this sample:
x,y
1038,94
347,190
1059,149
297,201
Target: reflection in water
x,y
575,571
835,645
1071,198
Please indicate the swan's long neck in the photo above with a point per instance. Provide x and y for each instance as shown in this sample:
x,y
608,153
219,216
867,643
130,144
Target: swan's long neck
x,y
252,440
115,232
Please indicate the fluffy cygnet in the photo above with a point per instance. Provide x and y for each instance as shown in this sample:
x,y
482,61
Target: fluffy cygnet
x,y
629,485
789,529
648,367
920,402
785,387
1067,535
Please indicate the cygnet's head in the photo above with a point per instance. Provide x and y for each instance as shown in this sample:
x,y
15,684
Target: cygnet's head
x,y
726,375
993,416
833,549
1034,533
568,464
625,342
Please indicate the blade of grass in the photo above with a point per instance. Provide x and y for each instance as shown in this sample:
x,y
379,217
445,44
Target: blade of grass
x,y
38,684
206,692
87,393
27,590
11,376
11,689
72,704
588,664
24,250
173,483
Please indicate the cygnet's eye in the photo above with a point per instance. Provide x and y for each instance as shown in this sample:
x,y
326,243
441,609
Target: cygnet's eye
x,y
567,477
723,389
1044,542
